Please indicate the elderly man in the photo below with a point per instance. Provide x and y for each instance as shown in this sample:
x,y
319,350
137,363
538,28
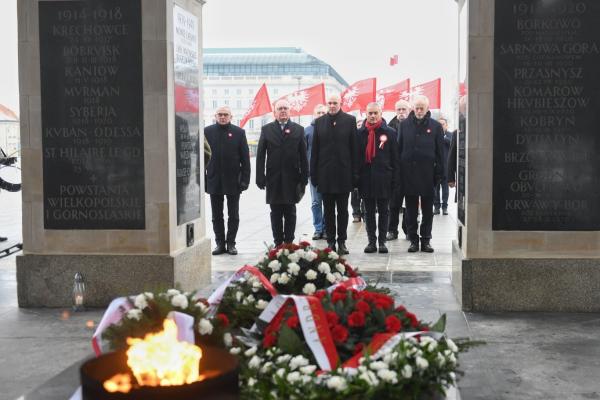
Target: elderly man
x,y
316,198
227,174
403,108
443,202
378,174
421,166
282,149
334,168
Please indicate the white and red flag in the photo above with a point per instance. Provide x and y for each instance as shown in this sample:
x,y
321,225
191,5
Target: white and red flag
x,y
393,60
433,91
187,99
388,96
359,94
261,105
304,101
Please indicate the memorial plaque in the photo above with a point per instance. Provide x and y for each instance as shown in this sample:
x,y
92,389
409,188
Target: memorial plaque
x,y
187,114
546,115
92,114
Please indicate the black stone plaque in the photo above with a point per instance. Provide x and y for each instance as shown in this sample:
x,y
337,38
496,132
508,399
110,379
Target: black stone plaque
x,y
187,114
92,114
546,115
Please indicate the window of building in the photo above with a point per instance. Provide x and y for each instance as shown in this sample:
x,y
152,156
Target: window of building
x,y
214,92
238,104
251,124
238,91
226,92
214,104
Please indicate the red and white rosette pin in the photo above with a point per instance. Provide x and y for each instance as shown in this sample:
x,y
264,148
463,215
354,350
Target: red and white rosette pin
x,y
382,140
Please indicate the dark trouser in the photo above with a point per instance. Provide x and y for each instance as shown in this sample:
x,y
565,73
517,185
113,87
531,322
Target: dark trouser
x,y
436,197
283,232
330,202
412,209
372,206
395,208
233,217
358,208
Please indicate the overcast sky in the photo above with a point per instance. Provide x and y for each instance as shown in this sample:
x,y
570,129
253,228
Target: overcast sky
x,y
355,37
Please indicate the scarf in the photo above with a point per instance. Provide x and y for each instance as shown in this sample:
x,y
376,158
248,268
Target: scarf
x,y
370,151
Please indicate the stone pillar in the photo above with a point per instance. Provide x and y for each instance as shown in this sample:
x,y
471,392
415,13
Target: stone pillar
x,y
531,238
111,154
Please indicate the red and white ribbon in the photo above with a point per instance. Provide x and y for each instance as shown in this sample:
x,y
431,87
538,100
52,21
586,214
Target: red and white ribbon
x,y
357,283
112,315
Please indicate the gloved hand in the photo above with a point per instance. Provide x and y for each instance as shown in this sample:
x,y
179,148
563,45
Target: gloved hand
x,y
243,186
261,185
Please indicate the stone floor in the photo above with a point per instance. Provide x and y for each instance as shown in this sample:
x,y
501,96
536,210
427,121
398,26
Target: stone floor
x,y
527,355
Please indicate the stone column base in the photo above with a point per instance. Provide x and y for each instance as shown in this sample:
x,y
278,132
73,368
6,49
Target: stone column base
x,y
46,280
526,284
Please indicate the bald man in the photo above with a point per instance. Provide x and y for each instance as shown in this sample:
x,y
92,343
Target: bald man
x,y
334,168
227,175
282,150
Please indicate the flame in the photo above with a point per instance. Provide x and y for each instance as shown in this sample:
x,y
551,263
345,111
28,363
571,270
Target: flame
x,y
161,360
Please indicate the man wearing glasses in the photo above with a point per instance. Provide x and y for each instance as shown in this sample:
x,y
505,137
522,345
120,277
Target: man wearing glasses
x,y
227,175
282,150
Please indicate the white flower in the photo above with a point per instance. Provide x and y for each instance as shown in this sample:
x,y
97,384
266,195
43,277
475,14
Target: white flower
x,y
256,284
235,350
306,379
251,382
407,371
324,268
330,277
250,352
333,255
173,292
294,257
310,256
298,361
275,265
283,359
452,359
262,304
338,276
293,268
205,327
274,278
340,267
308,369
293,377
388,376
149,295
250,299
239,296
309,289
280,372
440,359
452,376
140,301
377,365
266,367
369,377
452,346
255,362
180,301
421,363
311,274
284,278
279,253
227,339
337,383
134,314
201,306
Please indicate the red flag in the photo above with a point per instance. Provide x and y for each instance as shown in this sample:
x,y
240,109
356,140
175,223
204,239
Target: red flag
x,y
187,99
261,105
304,101
432,90
394,60
388,96
359,94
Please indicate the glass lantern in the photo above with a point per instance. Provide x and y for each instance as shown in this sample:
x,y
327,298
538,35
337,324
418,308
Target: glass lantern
x,y
78,293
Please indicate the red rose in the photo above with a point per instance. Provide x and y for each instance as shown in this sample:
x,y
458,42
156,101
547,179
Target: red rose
x,y
367,296
414,322
340,289
356,319
337,296
223,319
320,294
304,244
358,348
363,306
273,254
401,308
350,271
332,318
340,334
269,341
354,293
327,250
293,322
383,301
393,324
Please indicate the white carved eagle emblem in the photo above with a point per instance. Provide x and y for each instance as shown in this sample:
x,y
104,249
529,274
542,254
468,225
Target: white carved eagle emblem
x,y
298,100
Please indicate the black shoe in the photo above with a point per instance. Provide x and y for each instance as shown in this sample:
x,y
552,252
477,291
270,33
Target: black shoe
x,y
445,211
371,248
331,245
414,247
324,235
426,247
391,236
342,249
231,249
220,249
436,211
382,248
3,239
317,236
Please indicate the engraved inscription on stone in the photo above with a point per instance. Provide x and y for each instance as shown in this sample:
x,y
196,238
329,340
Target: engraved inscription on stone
x,y
92,114
546,115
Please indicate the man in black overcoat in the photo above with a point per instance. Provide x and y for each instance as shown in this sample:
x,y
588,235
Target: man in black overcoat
x,y
282,149
334,168
422,167
227,174
378,174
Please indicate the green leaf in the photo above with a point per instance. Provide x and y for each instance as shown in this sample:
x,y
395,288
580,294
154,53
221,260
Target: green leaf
x,y
440,325
289,341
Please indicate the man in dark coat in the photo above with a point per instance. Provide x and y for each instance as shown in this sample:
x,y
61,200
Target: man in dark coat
x,y
227,174
443,202
334,168
378,174
421,166
282,148
403,108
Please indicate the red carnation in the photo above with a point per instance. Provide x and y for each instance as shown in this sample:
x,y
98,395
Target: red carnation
x,y
356,319
414,322
269,341
383,301
337,296
304,243
393,324
363,306
320,294
401,308
340,334
358,348
340,289
223,319
332,318
293,322
350,271
367,296
273,254
327,250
